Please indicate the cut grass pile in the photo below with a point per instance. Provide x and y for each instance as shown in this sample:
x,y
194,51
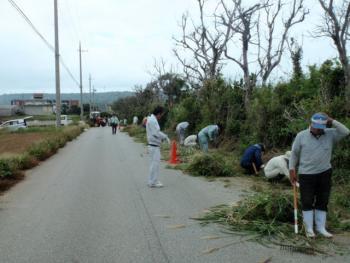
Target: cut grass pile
x,y
268,213
267,216
210,165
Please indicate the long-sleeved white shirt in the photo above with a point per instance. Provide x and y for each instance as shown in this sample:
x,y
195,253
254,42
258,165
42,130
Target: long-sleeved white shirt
x,y
154,135
277,165
191,140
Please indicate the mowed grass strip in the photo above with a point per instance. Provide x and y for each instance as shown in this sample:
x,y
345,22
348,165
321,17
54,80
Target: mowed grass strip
x,y
24,149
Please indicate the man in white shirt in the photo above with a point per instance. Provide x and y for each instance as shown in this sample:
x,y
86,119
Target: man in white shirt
x,y
135,120
155,138
277,167
191,140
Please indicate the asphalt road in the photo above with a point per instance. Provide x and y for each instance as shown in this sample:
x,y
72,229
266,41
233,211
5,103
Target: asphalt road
x,y
90,203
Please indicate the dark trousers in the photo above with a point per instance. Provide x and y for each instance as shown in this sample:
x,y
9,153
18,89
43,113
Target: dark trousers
x,y
315,190
249,168
114,129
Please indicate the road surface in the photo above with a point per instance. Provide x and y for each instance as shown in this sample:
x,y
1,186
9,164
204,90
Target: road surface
x,y
90,203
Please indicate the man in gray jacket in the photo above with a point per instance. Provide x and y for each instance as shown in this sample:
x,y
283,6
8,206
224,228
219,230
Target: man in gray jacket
x,y
311,151
181,131
155,138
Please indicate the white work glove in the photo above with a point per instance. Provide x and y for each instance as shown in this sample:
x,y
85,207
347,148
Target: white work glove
x,y
262,166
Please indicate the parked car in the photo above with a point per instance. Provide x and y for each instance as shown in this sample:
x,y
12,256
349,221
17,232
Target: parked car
x,y
14,125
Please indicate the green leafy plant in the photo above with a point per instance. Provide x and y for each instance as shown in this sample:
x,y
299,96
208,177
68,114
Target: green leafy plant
x,y
5,169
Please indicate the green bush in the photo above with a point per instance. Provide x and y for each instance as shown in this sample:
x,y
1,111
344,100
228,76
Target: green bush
x,y
5,169
25,161
187,110
342,196
39,150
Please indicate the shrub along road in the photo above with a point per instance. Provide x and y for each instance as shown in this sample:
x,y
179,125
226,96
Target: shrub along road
x,y
90,203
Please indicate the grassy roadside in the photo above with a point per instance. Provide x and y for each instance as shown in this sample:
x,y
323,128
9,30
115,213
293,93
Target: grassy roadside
x,y
25,148
266,212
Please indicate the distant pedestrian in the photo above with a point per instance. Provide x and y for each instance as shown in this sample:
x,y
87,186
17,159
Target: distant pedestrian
x,y
181,131
114,123
312,152
155,138
209,133
191,140
277,167
135,120
251,159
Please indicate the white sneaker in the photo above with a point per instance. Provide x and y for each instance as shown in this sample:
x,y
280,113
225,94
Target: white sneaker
x,y
156,185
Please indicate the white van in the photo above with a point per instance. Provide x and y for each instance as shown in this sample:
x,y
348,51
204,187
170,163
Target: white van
x,y
14,125
65,120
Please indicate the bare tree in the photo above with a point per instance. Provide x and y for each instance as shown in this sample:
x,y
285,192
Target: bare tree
x,y
166,82
206,45
241,21
271,47
160,67
336,20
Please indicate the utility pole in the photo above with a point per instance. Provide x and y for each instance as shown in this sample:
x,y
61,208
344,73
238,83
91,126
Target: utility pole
x,y
93,97
81,86
90,92
57,69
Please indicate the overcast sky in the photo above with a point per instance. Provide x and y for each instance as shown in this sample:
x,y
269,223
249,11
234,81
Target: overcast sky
x,y
122,38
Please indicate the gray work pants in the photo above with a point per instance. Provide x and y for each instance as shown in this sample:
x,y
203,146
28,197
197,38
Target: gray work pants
x,y
154,153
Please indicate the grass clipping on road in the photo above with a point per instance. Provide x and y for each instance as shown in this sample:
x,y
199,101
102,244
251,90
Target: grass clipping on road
x,y
262,214
267,217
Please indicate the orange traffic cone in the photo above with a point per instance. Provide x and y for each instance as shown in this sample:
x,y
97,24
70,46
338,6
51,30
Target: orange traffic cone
x,y
173,154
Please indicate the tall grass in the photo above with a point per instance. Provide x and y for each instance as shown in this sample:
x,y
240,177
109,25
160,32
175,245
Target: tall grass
x,y
136,131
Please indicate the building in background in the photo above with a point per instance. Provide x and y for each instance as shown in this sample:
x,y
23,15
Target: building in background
x,y
9,110
40,106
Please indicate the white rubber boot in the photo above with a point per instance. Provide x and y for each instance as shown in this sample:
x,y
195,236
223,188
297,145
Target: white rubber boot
x,y
308,218
320,219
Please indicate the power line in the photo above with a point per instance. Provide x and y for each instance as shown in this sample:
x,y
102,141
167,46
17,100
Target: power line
x,y
31,25
42,38
73,21
68,71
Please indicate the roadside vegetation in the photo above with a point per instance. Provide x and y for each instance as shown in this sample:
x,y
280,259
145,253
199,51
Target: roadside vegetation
x,y
25,148
252,107
277,113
